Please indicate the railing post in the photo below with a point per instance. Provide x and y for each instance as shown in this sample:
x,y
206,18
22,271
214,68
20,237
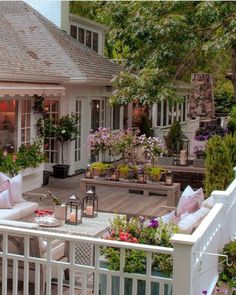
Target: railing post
x,y
182,265
234,172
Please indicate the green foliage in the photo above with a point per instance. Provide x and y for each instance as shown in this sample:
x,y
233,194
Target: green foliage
x,y
223,96
230,142
218,164
155,172
101,167
9,163
139,230
228,273
128,171
164,41
232,121
174,138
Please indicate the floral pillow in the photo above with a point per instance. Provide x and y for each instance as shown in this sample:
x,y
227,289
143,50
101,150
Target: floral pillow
x,y
16,188
191,202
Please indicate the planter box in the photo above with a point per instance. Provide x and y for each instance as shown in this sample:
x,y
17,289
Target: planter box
x,y
60,171
198,163
128,284
167,161
32,178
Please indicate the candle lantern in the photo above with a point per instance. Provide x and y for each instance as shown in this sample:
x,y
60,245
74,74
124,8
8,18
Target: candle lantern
x,y
183,151
88,172
169,178
90,203
114,175
73,211
141,175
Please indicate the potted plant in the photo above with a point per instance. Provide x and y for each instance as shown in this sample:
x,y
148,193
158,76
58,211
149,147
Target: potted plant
x,y
154,173
142,231
174,142
199,152
65,130
100,170
127,173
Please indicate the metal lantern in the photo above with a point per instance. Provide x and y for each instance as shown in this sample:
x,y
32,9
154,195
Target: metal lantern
x,y
88,172
183,151
90,203
114,175
169,178
74,211
141,175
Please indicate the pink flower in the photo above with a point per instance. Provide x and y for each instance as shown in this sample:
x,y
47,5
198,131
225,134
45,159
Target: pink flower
x,y
14,158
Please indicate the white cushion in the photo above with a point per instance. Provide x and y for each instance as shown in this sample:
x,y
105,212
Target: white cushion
x,y
190,200
10,214
5,202
16,188
169,217
21,224
26,208
208,203
3,177
192,220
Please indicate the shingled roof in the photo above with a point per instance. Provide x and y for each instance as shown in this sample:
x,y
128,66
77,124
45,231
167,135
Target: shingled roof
x,y
31,45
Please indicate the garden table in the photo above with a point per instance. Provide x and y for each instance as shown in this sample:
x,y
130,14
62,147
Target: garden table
x,y
172,192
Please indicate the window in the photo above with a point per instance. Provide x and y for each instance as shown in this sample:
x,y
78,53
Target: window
x,y
50,143
97,113
81,35
73,31
95,42
116,117
25,121
8,125
167,114
78,139
89,39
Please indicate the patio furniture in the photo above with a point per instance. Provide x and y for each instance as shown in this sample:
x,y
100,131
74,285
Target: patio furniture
x,y
171,192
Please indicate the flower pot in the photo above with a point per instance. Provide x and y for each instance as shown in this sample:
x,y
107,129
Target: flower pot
x,y
46,175
167,161
60,171
198,163
59,211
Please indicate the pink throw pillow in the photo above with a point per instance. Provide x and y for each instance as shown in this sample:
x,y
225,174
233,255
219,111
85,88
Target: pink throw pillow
x,y
16,188
6,186
192,203
5,200
3,177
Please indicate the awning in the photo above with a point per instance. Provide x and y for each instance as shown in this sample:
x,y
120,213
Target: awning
x,y
23,89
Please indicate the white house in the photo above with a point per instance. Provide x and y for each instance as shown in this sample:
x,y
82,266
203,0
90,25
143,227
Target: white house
x,y
37,57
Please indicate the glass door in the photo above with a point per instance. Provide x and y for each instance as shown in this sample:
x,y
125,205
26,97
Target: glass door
x,y
78,139
97,113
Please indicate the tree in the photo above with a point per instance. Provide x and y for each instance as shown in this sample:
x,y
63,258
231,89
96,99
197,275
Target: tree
x,y
163,42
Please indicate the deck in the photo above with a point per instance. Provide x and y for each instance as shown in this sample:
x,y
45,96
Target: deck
x,y
110,200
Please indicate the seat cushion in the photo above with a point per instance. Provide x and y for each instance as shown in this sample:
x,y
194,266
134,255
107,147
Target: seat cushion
x,y
5,199
26,208
16,188
10,214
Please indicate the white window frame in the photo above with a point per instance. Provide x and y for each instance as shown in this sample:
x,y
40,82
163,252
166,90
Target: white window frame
x,y
28,125
78,111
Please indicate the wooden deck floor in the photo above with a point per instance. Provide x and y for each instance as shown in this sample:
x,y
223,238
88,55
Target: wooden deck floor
x,y
110,200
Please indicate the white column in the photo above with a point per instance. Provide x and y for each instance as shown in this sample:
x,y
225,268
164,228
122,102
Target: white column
x,y
154,115
130,115
121,117
182,265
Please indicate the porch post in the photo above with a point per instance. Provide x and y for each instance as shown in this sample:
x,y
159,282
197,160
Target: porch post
x,y
154,115
182,265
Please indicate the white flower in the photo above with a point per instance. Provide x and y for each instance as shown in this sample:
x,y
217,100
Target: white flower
x,y
63,131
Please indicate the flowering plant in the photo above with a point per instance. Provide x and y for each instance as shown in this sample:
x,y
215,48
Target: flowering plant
x,y
208,130
153,147
142,231
101,140
199,152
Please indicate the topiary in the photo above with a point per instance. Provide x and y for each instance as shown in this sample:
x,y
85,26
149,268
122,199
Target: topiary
x,y
230,141
174,138
218,164
232,121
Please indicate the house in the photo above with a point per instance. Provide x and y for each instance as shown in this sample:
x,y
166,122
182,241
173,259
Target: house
x,y
36,57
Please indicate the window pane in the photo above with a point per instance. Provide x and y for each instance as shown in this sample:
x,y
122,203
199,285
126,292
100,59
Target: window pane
x,y
116,117
159,114
81,35
95,42
88,38
73,31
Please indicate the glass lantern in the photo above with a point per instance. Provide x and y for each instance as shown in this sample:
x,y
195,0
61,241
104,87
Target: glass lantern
x,y
88,172
169,178
141,175
90,203
73,211
114,175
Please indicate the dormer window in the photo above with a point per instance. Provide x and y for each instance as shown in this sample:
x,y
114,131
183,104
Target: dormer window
x,y
87,37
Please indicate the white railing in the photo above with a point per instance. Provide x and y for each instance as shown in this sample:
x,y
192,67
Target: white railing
x,y
30,265
195,259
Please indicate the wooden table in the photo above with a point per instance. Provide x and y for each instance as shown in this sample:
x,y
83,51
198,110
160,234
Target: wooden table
x,y
171,192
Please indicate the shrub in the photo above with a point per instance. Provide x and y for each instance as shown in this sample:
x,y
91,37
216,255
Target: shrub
x,y
174,138
219,167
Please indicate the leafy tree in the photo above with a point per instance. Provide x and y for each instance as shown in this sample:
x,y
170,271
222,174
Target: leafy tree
x,y
232,121
162,42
